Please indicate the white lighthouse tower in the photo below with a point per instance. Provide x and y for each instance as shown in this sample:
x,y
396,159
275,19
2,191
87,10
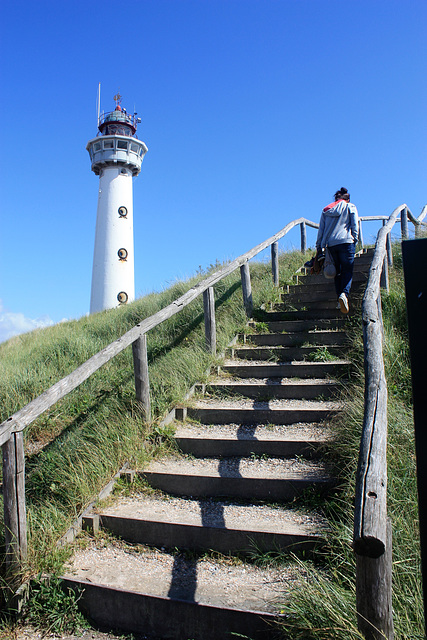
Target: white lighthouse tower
x,y
116,155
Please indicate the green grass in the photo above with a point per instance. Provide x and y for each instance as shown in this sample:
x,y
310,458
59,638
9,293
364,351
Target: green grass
x,y
87,437
53,609
79,444
325,607
321,354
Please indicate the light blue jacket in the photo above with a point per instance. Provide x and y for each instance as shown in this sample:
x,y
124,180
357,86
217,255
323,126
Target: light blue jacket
x,y
339,224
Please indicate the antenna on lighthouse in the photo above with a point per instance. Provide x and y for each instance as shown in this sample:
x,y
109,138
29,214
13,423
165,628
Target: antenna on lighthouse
x,y
99,104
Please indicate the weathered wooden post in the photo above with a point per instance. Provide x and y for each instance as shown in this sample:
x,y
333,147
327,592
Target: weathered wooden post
x,y
360,234
15,517
246,288
404,223
384,281
275,263
372,534
210,323
373,593
389,250
142,381
303,229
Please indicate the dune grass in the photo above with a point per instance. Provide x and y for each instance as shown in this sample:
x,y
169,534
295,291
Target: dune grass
x,y
325,607
87,437
79,444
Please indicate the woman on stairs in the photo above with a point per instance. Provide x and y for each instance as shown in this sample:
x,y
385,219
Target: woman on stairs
x,y
338,231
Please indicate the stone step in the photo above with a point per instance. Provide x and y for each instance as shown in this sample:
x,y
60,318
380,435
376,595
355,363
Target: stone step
x,y
361,263
296,338
308,314
230,440
310,295
273,479
161,595
294,326
359,276
206,524
319,285
271,388
317,307
287,354
304,370
246,412
364,258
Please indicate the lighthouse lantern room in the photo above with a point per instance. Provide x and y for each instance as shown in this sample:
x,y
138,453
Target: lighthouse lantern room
x,y
116,155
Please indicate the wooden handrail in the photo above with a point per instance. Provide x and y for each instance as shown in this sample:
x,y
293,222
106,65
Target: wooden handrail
x,y
25,416
372,539
371,485
371,482
11,429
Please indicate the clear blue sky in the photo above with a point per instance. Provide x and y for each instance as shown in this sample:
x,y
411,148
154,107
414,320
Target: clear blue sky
x,y
254,112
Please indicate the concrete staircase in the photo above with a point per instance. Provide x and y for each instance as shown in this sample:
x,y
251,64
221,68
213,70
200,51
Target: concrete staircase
x,y
178,564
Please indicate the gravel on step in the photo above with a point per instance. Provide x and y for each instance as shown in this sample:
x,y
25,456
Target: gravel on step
x,y
217,513
277,468
297,431
297,363
268,382
243,403
221,583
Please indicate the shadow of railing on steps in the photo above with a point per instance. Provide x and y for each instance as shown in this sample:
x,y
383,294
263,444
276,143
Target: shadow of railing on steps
x,y
11,430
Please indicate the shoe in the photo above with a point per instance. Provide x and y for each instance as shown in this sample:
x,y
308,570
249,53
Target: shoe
x,y
343,303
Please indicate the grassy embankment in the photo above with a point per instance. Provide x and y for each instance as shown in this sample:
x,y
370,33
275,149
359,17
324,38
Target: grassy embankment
x,y
77,446
325,608
93,432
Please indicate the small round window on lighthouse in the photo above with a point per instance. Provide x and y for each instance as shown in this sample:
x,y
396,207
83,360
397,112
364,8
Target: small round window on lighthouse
x,y
122,297
122,253
123,212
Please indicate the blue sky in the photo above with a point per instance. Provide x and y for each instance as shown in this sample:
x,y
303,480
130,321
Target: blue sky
x,y
254,112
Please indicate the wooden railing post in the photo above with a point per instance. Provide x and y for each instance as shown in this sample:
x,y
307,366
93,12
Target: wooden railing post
x,y
384,281
372,534
303,229
389,250
142,381
15,518
210,323
361,234
373,593
246,288
275,263
404,224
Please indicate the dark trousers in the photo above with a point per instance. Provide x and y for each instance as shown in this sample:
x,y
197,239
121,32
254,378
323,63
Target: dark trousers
x,y
343,257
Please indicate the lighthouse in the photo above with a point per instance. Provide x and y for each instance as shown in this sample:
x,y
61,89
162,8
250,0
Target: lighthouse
x,y
116,155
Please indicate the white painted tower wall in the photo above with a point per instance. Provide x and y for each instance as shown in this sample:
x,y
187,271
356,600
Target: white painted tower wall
x,y
116,159
112,274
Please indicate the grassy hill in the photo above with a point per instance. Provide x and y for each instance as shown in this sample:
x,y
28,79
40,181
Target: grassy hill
x,y
76,447
325,608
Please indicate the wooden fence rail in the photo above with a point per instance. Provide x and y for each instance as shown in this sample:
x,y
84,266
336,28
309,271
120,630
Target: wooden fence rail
x,y
372,541
11,436
11,429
